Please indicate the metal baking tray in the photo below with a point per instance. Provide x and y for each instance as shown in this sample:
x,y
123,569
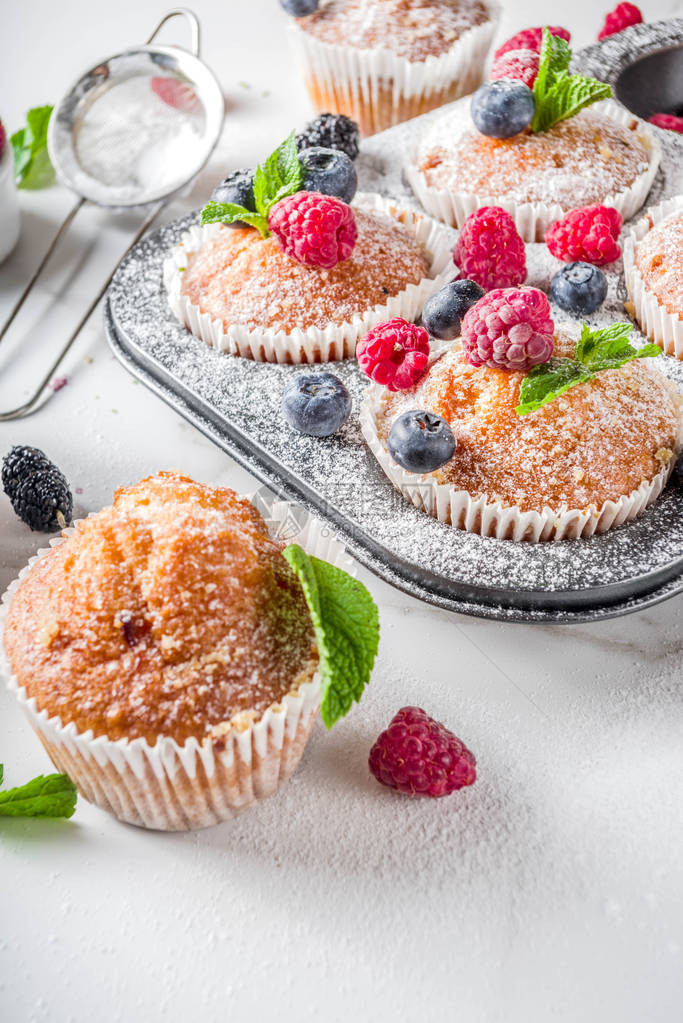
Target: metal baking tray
x,y
236,403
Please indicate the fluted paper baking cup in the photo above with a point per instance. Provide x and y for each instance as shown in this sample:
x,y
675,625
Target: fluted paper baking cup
x,y
337,340
377,88
487,517
533,219
172,787
656,322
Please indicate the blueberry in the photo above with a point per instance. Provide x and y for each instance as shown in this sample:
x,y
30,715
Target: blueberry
x,y
579,288
329,171
443,312
421,441
299,8
316,403
237,188
502,108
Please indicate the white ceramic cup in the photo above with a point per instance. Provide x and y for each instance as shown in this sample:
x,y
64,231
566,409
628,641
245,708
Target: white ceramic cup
x,y
9,204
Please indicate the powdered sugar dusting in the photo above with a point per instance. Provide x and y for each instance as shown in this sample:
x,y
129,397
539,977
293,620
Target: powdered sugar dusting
x,y
659,257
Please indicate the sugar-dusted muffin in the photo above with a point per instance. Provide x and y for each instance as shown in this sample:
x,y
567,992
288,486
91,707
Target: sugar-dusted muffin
x,y
385,61
600,155
653,267
167,655
243,294
589,459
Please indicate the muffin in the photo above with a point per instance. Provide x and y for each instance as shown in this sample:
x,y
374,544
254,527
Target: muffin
x,y
164,652
592,458
244,295
385,61
653,267
601,155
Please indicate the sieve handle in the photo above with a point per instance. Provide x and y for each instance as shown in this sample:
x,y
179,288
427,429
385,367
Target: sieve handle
x,y
192,20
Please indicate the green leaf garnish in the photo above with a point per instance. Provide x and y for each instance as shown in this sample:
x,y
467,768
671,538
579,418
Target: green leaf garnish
x,y
279,177
596,351
346,623
557,94
52,795
32,167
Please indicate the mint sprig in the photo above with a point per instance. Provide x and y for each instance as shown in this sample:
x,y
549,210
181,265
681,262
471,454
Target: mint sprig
x,y
596,351
557,94
279,177
32,166
52,795
346,623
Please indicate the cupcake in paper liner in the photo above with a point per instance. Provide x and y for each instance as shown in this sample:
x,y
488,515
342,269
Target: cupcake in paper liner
x,y
602,154
653,268
590,459
244,295
385,61
164,652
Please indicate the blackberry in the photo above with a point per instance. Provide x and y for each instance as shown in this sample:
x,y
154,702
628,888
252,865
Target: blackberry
x,y
331,131
37,489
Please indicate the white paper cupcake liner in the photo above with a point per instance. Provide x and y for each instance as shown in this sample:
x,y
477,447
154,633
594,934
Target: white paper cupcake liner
x,y
656,322
337,340
487,517
172,787
533,219
378,88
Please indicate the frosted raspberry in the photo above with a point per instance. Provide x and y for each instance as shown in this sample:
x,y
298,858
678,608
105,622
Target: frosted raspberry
x,y
620,18
510,328
521,64
489,250
531,39
420,757
176,94
668,121
314,229
588,234
394,354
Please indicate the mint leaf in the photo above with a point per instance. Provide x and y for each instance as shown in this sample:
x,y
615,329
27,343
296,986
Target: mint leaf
x,y
278,177
557,94
53,795
32,167
346,623
597,350
228,213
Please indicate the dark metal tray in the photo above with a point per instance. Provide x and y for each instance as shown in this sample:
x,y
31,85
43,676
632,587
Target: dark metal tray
x,y
235,402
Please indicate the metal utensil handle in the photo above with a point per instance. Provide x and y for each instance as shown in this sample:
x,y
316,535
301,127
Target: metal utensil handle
x,y
190,17
30,404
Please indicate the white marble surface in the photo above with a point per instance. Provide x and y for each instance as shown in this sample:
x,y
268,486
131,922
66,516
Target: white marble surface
x,y
550,890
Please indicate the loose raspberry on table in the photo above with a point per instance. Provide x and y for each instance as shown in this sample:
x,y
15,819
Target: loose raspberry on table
x,y
531,39
394,354
620,18
490,250
521,64
419,756
668,121
510,328
314,229
588,234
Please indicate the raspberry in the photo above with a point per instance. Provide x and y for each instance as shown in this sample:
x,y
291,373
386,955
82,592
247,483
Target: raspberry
x,y
521,64
3,139
421,757
510,328
489,250
620,18
394,354
176,94
588,234
668,121
531,39
314,229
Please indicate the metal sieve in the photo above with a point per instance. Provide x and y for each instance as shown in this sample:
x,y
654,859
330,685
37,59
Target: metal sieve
x,y
133,131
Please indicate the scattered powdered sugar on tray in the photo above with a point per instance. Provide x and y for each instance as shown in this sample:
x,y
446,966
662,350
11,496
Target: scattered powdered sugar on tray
x,y
237,403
